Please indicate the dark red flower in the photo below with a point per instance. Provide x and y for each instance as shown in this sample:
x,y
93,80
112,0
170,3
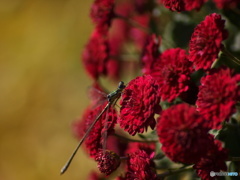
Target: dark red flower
x,y
225,4
102,14
183,133
172,72
139,103
140,166
206,41
182,5
108,161
150,53
104,126
217,97
95,55
214,161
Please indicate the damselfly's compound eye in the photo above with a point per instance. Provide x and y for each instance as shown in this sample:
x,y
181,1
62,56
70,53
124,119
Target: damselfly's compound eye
x,y
121,85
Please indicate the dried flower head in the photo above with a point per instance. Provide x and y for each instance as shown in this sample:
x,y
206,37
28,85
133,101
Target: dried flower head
x,y
139,103
108,161
206,41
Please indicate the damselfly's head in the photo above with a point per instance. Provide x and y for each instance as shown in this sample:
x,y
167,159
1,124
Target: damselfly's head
x,y
121,85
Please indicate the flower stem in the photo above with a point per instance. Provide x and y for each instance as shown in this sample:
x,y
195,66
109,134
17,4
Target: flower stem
x,y
231,57
134,140
175,171
234,159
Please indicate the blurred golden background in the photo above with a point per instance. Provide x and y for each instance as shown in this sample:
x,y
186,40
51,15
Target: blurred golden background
x,y
43,87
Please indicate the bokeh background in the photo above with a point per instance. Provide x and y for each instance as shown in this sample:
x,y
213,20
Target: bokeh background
x,y
43,87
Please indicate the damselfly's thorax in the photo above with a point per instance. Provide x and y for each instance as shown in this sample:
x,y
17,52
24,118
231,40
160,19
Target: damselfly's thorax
x,y
116,94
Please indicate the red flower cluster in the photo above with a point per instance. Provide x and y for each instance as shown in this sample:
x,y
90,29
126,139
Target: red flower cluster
x,y
95,55
94,141
182,5
108,161
139,103
214,161
218,95
122,35
206,41
183,134
102,14
225,4
140,166
172,72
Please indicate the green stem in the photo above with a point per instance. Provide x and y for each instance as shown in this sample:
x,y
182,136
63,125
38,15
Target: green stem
x,y
175,171
234,159
231,57
134,140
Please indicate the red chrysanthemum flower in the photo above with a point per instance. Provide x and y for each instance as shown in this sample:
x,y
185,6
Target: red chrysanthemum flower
x,y
95,55
183,133
102,14
150,53
206,41
140,166
172,72
95,140
214,161
217,97
139,103
182,5
108,161
225,4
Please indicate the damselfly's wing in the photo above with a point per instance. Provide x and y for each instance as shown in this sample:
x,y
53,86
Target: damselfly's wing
x,y
97,95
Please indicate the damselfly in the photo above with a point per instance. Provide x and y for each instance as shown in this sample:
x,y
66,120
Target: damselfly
x,y
112,99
